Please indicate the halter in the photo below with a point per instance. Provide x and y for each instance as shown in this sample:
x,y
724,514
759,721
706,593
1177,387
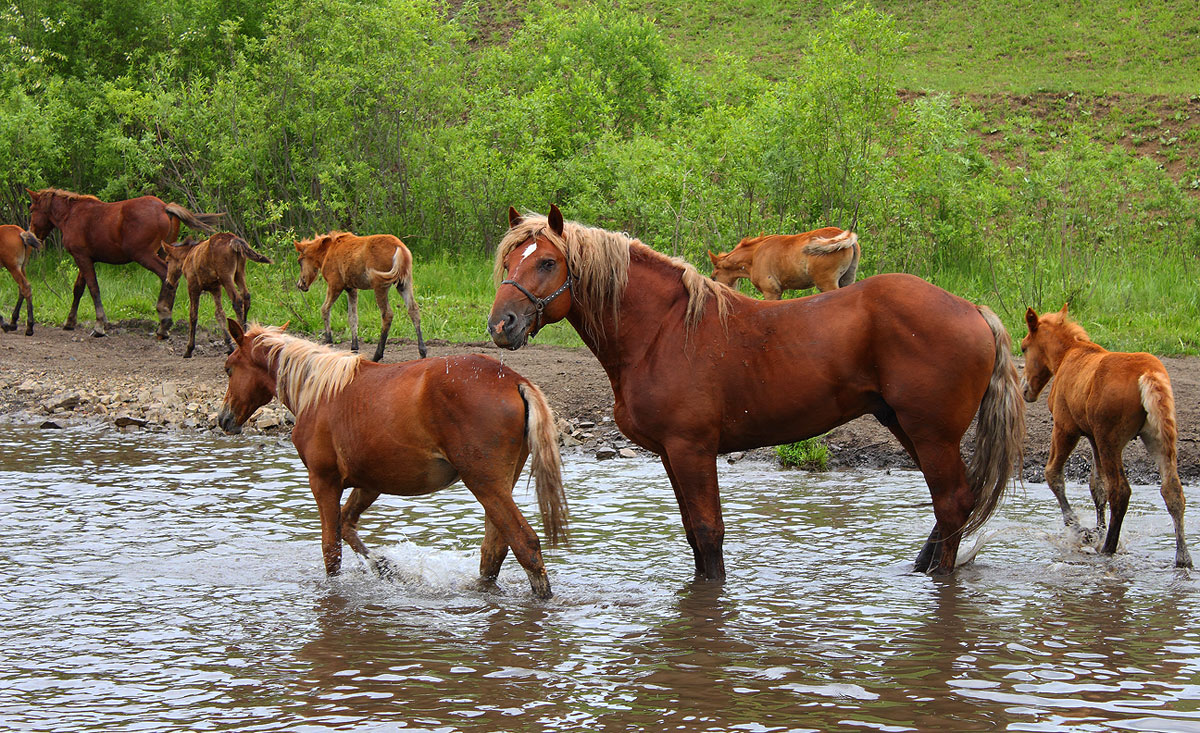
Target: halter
x,y
539,304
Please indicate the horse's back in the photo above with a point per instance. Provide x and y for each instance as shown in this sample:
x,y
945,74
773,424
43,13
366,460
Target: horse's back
x,y
353,255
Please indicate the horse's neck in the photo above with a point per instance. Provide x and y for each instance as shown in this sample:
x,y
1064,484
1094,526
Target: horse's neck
x,y
654,296
1069,347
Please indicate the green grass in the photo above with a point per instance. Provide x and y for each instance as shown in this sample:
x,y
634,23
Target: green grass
x,y
811,454
974,47
454,294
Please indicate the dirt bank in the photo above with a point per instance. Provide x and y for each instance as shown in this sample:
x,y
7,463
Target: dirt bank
x,y
132,380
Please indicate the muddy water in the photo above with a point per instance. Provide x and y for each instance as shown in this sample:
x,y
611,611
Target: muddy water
x,y
156,583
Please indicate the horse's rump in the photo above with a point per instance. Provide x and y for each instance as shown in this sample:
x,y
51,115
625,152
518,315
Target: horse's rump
x,y
829,245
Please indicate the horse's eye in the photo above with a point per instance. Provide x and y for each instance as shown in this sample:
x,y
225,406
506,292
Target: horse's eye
x,y
546,265
228,371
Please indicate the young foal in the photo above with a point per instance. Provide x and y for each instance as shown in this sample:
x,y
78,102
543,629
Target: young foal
x,y
15,246
353,263
217,262
1110,398
408,429
826,258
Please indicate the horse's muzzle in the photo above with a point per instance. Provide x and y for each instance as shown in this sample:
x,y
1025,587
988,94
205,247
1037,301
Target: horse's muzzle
x,y
1027,391
302,286
228,421
509,330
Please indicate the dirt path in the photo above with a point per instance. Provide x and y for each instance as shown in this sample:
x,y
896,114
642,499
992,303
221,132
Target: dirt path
x,y
62,376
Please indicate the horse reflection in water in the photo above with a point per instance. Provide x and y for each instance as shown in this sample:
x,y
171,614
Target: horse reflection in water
x,y
408,429
698,369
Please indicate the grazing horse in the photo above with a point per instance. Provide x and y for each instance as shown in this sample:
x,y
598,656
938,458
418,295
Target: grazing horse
x,y
353,263
15,246
826,258
114,233
407,429
215,263
698,369
1110,398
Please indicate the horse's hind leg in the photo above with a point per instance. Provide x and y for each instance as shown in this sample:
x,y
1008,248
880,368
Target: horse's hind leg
x,y
1062,442
352,510
352,315
946,476
930,553
24,294
414,314
1172,494
385,313
1112,470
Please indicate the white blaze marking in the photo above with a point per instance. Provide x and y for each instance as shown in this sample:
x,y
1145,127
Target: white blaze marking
x,y
528,251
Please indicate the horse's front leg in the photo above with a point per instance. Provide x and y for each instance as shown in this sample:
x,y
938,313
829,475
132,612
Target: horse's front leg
x,y
328,494
330,295
193,314
687,520
694,476
352,510
76,296
1062,442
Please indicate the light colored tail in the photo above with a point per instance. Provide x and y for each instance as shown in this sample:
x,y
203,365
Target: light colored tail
x,y
845,240
206,223
30,239
1159,402
387,276
546,465
851,272
999,432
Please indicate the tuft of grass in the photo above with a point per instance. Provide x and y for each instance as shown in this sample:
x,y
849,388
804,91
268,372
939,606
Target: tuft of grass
x,y
811,454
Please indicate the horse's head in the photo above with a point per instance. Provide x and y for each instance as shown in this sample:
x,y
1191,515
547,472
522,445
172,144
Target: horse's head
x,y
537,285
250,382
312,257
1038,346
175,255
728,268
40,203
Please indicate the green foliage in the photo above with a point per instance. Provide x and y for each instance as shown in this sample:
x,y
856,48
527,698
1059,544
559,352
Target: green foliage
x,y
811,455
300,116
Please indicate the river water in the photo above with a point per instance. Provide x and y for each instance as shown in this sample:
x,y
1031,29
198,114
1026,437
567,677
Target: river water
x,y
166,583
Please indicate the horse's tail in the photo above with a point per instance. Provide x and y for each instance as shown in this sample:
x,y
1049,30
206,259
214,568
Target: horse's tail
x,y
388,276
206,223
1159,402
541,436
30,239
851,272
1000,431
243,248
829,245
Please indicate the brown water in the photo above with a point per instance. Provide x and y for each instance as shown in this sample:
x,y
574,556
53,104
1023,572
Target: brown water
x,y
165,584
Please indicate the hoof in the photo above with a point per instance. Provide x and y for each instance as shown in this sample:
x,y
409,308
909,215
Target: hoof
x,y
8,326
98,334
187,355
68,326
29,331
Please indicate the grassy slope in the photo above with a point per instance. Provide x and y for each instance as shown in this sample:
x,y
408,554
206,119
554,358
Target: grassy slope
x,y
1130,66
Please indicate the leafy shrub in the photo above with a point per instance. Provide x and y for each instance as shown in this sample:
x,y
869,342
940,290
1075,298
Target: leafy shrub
x,y
811,454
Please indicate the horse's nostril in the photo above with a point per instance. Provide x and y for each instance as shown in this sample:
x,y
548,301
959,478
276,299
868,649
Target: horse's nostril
x,y
509,320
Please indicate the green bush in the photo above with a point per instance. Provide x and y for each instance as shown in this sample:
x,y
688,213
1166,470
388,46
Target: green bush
x,y
811,455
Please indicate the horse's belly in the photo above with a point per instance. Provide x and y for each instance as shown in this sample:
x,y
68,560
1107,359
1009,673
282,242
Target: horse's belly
x,y
404,476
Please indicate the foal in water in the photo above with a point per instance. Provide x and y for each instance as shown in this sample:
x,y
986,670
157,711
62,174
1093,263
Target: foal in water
x,y
352,263
16,244
215,263
406,429
1110,398
824,258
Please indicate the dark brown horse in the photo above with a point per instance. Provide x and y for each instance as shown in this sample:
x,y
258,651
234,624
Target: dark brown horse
x,y
116,234
408,429
209,266
698,369
15,247
1110,398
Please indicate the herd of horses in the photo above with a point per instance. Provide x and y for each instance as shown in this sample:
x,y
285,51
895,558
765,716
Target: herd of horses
x,y
924,362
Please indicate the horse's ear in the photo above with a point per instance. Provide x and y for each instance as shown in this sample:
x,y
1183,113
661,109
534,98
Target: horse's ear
x,y
235,329
285,325
32,194
556,220
1064,309
514,218
297,245
715,258
1031,319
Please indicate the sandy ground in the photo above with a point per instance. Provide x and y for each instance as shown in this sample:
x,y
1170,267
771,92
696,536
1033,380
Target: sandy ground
x,y
68,375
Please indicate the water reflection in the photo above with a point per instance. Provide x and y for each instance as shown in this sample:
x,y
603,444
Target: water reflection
x,y
175,584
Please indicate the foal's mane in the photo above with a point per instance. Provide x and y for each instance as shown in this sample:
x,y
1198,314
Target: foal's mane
x,y
599,262
67,194
1070,330
305,373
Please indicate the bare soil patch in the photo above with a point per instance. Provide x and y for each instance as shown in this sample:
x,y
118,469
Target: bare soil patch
x,y
129,376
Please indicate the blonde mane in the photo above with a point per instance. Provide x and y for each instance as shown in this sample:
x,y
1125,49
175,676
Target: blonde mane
x,y
305,373
1070,329
599,262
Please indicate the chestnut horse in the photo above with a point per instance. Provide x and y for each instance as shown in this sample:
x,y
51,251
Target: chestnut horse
x,y
698,369
215,263
1110,398
826,258
114,233
15,246
407,429
352,263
